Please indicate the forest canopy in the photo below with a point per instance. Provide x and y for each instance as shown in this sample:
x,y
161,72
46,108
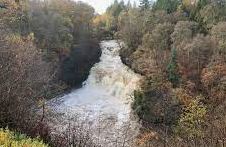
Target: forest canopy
x,y
179,47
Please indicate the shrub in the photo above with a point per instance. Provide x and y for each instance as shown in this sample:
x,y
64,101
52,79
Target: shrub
x,y
192,120
155,104
12,139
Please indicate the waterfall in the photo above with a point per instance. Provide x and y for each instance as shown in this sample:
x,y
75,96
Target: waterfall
x,y
105,99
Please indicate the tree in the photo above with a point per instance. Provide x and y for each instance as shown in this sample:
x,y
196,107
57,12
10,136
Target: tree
x,y
144,4
183,33
172,69
115,9
159,38
192,121
192,7
210,15
130,27
52,30
23,80
113,13
218,34
16,16
154,104
193,56
168,5
213,78
158,44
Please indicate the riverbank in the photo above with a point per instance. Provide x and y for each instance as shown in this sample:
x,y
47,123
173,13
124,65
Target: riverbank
x,y
126,59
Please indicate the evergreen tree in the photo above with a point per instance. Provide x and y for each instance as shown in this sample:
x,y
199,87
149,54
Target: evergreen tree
x,y
115,9
168,5
144,4
173,69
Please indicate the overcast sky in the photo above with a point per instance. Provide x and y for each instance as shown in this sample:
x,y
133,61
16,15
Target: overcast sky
x,y
101,5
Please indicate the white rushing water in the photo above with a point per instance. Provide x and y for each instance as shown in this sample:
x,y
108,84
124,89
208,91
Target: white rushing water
x,y
104,101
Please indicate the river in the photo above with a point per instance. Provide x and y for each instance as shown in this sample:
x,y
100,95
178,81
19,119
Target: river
x,y
103,104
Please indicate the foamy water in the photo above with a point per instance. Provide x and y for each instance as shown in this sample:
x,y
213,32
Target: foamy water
x,y
104,101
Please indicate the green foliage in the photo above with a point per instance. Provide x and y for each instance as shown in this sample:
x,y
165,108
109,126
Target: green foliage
x,y
59,26
167,5
112,19
192,7
140,106
115,9
144,4
192,121
210,15
130,28
172,69
154,104
113,13
202,3
52,30
12,139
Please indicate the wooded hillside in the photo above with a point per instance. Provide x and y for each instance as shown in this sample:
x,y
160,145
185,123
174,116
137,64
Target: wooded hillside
x,y
179,47
46,48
